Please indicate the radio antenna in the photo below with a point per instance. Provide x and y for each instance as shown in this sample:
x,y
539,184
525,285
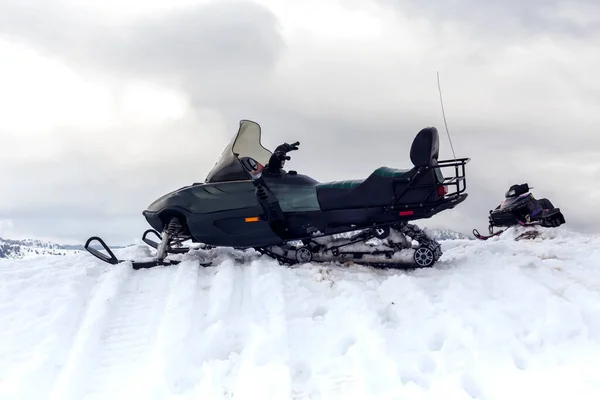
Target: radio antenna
x,y
444,114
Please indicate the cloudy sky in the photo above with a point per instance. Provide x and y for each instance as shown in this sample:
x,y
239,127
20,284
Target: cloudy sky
x,y
106,106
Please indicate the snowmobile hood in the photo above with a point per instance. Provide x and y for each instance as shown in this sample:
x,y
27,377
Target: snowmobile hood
x,y
511,201
164,200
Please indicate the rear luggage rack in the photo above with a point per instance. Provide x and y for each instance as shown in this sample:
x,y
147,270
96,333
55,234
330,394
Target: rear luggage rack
x,y
458,181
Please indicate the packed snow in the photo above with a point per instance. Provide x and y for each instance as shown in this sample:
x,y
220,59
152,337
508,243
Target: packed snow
x,y
499,319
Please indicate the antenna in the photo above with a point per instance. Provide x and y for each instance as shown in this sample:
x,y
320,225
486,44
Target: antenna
x,y
444,114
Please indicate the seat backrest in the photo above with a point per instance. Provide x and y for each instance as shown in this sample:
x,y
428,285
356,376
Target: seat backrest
x,y
425,148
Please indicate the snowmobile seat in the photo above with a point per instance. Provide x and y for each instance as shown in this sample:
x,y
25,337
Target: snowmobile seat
x,y
347,184
385,172
384,184
395,173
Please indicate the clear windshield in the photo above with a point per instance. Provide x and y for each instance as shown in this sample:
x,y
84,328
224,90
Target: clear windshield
x,y
507,202
246,143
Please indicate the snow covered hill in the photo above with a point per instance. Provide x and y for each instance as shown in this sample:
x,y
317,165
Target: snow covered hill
x,y
10,248
500,319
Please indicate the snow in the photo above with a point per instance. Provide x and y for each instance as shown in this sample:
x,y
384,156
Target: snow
x,y
499,319
26,248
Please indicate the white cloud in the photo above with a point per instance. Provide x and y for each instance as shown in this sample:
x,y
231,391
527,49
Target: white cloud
x,y
40,93
149,103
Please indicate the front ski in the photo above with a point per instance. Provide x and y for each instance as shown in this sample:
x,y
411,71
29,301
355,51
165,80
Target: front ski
x,y
485,237
110,257
532,234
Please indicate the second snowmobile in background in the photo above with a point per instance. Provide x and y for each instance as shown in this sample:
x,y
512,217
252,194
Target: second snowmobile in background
x,y
520,208
249,201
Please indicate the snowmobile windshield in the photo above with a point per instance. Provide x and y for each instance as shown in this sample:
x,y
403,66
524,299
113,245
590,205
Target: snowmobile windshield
x,y
246,143
507,202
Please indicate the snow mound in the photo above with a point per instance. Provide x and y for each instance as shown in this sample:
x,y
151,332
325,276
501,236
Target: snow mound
x,y
496,319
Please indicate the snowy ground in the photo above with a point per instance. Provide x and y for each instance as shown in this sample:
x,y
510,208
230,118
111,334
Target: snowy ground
x,y
492,320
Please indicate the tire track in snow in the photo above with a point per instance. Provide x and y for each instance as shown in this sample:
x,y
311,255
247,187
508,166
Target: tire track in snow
x,y
44,343
126,339
224,336
264,371
243,348
378,371
169,368
87,337
320,336
338,326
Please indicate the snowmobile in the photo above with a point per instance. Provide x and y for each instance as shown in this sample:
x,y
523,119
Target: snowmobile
x,y
521,208
249,201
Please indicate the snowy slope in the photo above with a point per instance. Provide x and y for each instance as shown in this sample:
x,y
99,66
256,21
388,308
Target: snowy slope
x,y
493,320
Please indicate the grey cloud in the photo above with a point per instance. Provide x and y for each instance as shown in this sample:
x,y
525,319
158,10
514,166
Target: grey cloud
x,y
506,19
217,47
217,38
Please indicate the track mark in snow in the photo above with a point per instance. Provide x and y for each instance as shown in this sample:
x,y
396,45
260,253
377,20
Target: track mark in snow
x,y
435,342
470,386
427,364
168,367
245,342
43,318
319,313
95,318
338,334
126,342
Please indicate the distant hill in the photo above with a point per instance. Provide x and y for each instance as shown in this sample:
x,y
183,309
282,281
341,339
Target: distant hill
x,y
10,248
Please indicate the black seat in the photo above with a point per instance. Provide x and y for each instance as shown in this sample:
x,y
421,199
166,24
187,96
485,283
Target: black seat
x,y
380,188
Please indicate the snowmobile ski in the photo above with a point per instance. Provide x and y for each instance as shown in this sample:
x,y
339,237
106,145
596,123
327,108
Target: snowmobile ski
x,y
110,257
485,237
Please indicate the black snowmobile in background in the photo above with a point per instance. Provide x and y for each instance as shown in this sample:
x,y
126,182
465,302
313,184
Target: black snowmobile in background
x,y
249,201
520,208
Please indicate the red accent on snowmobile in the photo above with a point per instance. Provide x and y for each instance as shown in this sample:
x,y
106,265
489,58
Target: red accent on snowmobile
x,y
483,237
405,213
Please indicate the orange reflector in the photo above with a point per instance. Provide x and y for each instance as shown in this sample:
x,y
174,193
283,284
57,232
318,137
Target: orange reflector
x,y
404,213
251,219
